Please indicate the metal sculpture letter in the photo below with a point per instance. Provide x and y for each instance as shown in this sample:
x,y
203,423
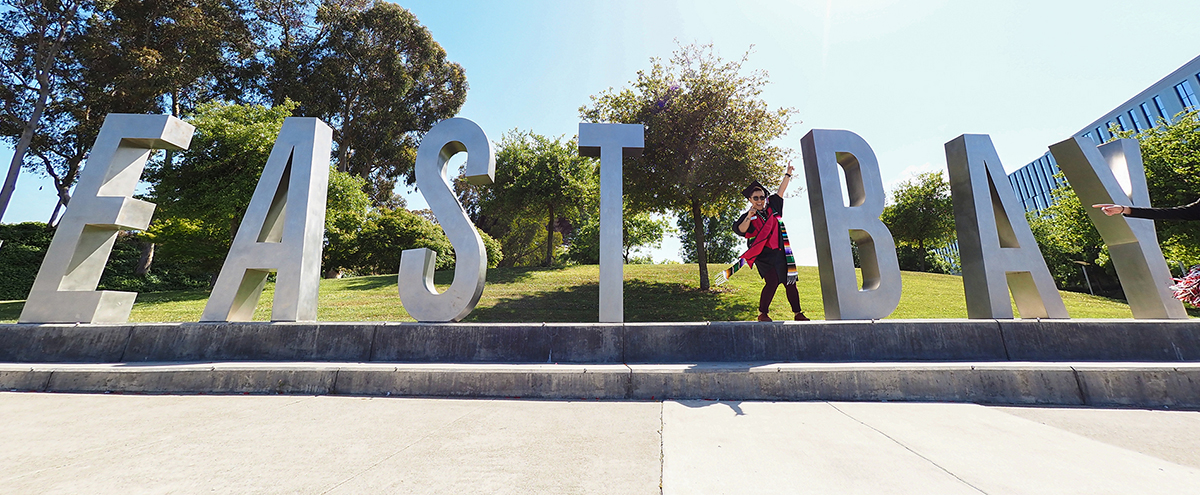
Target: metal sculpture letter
x,y
415,280
65,288
282,230
997,248
612,143
1113,173
825,150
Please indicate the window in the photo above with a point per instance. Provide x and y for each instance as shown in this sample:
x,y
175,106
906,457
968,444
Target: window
x,y
1100,135
1151,120
1162,110
1108,127
1186,95
1089,135
1121,122
1137,121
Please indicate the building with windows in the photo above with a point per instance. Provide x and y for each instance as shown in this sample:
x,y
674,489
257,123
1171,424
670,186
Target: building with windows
x,y
1160,102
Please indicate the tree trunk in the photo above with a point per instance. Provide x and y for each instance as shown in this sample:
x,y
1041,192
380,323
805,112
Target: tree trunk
x,y
144,261
921,250
54,214
45,65
550,237
698,237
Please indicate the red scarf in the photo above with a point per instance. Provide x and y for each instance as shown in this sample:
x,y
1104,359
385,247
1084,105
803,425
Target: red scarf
x,y
766,234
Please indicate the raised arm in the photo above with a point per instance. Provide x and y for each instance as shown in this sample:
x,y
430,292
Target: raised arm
x,y
787,179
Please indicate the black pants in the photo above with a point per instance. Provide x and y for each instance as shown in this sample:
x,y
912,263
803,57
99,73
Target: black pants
x,y
771,278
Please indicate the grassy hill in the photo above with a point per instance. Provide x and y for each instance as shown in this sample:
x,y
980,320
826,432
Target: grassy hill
x,y
571,294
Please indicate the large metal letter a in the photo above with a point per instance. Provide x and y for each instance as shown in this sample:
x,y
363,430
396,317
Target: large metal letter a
x,y
1113,173
282,230
824,151
65,288
997,248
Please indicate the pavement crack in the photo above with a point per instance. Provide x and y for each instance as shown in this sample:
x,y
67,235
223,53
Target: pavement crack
x,y
906,447
662,451
402,449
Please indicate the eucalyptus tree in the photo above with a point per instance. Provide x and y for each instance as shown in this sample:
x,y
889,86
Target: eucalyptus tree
x,y
34,63
377,76
708,135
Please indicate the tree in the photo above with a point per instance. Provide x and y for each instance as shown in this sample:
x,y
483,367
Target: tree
x,y
638,229
186,51
1068,239
202,195
137,57
921,214
723,246
543,191
377,76
34,62
543,178
708,134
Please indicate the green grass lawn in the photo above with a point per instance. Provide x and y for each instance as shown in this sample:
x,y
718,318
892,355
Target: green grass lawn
x,y
571,294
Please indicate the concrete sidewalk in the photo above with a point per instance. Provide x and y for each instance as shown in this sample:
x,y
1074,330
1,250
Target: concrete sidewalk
x,y
109,443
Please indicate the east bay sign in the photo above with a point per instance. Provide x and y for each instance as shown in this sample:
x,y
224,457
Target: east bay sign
x,y
284,223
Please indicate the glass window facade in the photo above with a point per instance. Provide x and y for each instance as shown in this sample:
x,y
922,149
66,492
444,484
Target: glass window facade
x,y
1151,119
1122,123
1162,109
1186,96
1034,183
1138,124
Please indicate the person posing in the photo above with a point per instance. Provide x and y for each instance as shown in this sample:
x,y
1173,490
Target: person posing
x,y
1185,212
763,228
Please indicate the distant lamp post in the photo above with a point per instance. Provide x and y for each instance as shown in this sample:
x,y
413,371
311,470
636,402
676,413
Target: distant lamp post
x,y
1083,265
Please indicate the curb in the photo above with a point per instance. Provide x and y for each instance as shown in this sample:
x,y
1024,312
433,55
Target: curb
x,y
1014,383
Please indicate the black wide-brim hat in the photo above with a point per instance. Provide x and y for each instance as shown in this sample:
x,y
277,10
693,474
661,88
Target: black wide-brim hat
x,y
754,186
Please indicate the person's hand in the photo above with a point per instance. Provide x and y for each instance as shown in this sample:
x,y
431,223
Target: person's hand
x,y
752,211
1111,210
790,168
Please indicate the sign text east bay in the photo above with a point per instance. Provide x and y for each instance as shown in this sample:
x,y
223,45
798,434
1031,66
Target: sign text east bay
x,y
283,226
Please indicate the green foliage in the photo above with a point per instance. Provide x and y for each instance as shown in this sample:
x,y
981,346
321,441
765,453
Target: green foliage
x,y
1067,236
346,209
920,216
389,232
1171,156
377,76
21,256
495,251
25,246
640,229
542,192
708,134
723,245
203,192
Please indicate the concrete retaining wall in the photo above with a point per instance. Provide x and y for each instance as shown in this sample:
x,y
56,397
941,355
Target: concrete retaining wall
x,y
851,341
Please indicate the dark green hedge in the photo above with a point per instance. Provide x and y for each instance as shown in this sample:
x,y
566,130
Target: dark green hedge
x,y
25,245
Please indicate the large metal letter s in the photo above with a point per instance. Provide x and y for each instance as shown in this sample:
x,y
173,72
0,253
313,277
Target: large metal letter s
x,y
65,288
415,280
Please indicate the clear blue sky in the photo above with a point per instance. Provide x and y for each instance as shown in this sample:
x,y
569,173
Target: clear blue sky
x,y
908,75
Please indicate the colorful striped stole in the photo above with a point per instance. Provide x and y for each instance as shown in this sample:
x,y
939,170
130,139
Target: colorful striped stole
x,y
792,274
791,259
